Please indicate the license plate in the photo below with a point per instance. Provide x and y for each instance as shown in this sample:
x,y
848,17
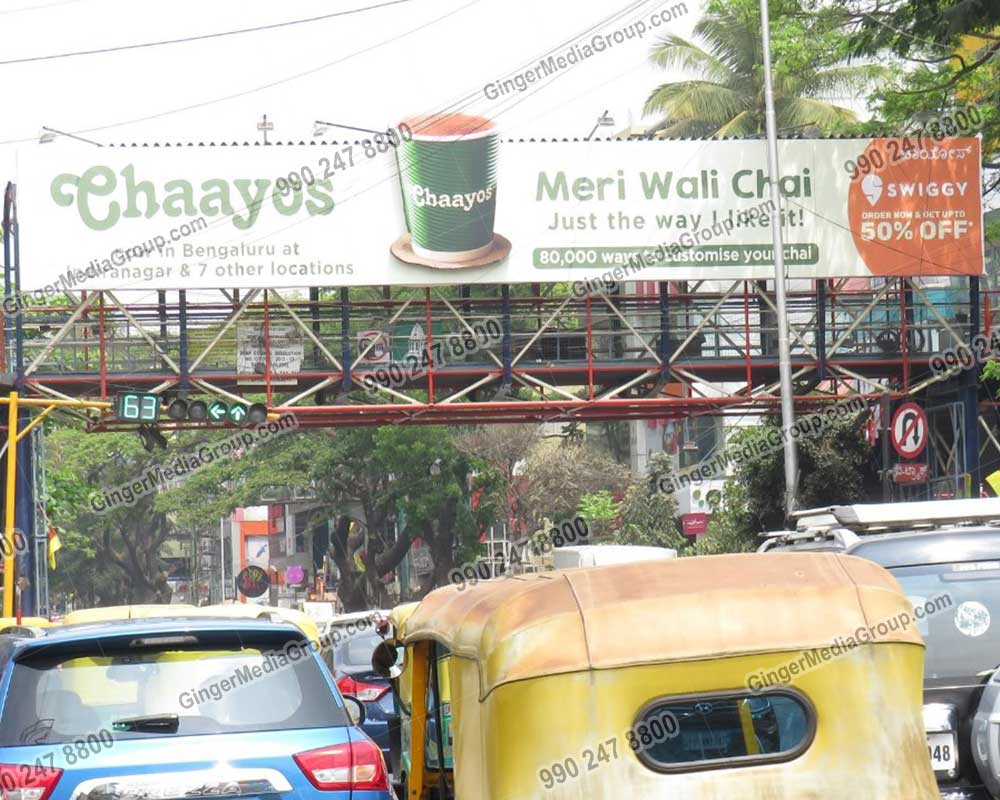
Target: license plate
x,y
942,751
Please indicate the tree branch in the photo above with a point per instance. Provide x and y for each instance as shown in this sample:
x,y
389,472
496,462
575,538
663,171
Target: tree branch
x,y
991,52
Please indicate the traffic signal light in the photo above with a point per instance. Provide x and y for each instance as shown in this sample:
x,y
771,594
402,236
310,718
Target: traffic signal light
x,y
218,411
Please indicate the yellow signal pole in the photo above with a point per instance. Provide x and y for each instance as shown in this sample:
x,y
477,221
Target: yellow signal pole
x,y
13,437
8,532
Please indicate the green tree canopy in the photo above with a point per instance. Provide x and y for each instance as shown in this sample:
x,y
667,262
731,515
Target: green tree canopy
x,y
724,95
836,466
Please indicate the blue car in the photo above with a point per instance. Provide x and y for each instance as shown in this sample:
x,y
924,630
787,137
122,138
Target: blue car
x,y
172,708
352,668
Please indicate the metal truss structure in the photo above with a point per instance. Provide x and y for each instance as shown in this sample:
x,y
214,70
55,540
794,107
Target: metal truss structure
x,y
658,350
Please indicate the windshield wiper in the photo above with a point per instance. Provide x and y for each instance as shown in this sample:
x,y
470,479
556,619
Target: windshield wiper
x,y
153,723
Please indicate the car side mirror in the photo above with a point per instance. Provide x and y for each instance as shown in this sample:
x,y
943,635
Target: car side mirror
x,y
387,659
355,709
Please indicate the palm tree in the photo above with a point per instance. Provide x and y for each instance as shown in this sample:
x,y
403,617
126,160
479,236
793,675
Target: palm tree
x,y
725,95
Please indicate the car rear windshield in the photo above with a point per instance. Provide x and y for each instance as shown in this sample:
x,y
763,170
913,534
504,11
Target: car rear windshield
x,y
963,634
356,652
134,692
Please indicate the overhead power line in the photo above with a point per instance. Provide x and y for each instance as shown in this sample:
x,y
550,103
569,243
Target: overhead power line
x,y
202,37
262,87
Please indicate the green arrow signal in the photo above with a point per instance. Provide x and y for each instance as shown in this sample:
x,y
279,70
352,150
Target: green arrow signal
x,y
217,411
238,413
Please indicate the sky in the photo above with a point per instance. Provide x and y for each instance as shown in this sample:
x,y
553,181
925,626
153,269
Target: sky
x,y
368,69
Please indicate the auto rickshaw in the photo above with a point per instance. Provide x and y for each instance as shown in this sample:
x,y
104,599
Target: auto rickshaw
x,y
787,676
400,748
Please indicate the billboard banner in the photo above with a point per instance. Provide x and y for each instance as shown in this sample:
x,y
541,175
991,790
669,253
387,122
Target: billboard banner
x,y
455,204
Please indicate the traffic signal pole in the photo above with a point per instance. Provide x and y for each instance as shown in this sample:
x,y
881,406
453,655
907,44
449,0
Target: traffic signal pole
x,y
14,403
8,528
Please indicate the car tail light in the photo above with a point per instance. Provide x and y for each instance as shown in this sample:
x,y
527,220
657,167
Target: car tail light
x,y
367,692
27,781
351,765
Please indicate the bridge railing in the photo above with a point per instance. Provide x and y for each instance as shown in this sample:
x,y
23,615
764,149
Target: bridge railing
x,y
278,338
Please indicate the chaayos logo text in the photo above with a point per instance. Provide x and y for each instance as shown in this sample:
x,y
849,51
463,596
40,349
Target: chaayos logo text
x,y
103,197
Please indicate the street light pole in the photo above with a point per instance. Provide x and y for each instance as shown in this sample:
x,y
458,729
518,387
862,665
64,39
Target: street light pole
x,y
784,357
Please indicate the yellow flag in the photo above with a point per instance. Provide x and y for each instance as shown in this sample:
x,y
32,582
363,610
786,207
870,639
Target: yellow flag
x,y
54,547
993,479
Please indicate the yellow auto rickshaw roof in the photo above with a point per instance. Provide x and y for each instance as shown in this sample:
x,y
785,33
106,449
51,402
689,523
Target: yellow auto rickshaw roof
x,y
400,615
660,611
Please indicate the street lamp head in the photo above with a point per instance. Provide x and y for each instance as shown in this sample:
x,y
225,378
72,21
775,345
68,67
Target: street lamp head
x,y
50,134
605,120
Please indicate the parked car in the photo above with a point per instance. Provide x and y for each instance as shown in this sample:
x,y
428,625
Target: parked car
x,y
961,680
948,549
178,707
353,639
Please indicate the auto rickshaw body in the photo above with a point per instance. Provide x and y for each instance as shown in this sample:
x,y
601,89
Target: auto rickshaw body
x,y
776,676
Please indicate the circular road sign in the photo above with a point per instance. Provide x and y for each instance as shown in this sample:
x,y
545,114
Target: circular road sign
x,y
253,581
909,430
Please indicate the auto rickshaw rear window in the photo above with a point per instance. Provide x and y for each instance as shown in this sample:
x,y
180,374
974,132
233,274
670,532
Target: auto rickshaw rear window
x,y
712,731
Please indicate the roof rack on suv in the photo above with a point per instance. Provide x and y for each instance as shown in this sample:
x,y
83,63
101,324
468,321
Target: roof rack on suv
x,y
878,517
839,536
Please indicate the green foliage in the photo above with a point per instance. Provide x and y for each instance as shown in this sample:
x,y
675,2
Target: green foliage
x,y
835,467
648,515
598,507
952,52
993,230
991,371
914,27
724,95
106,557
600,510
731,526
414,473
558,475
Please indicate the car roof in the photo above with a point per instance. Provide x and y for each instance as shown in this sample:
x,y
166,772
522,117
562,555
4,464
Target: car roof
x,y
354,616
939,546
61,634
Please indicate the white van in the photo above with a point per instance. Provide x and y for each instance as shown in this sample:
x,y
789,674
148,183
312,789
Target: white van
x,y
598,555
